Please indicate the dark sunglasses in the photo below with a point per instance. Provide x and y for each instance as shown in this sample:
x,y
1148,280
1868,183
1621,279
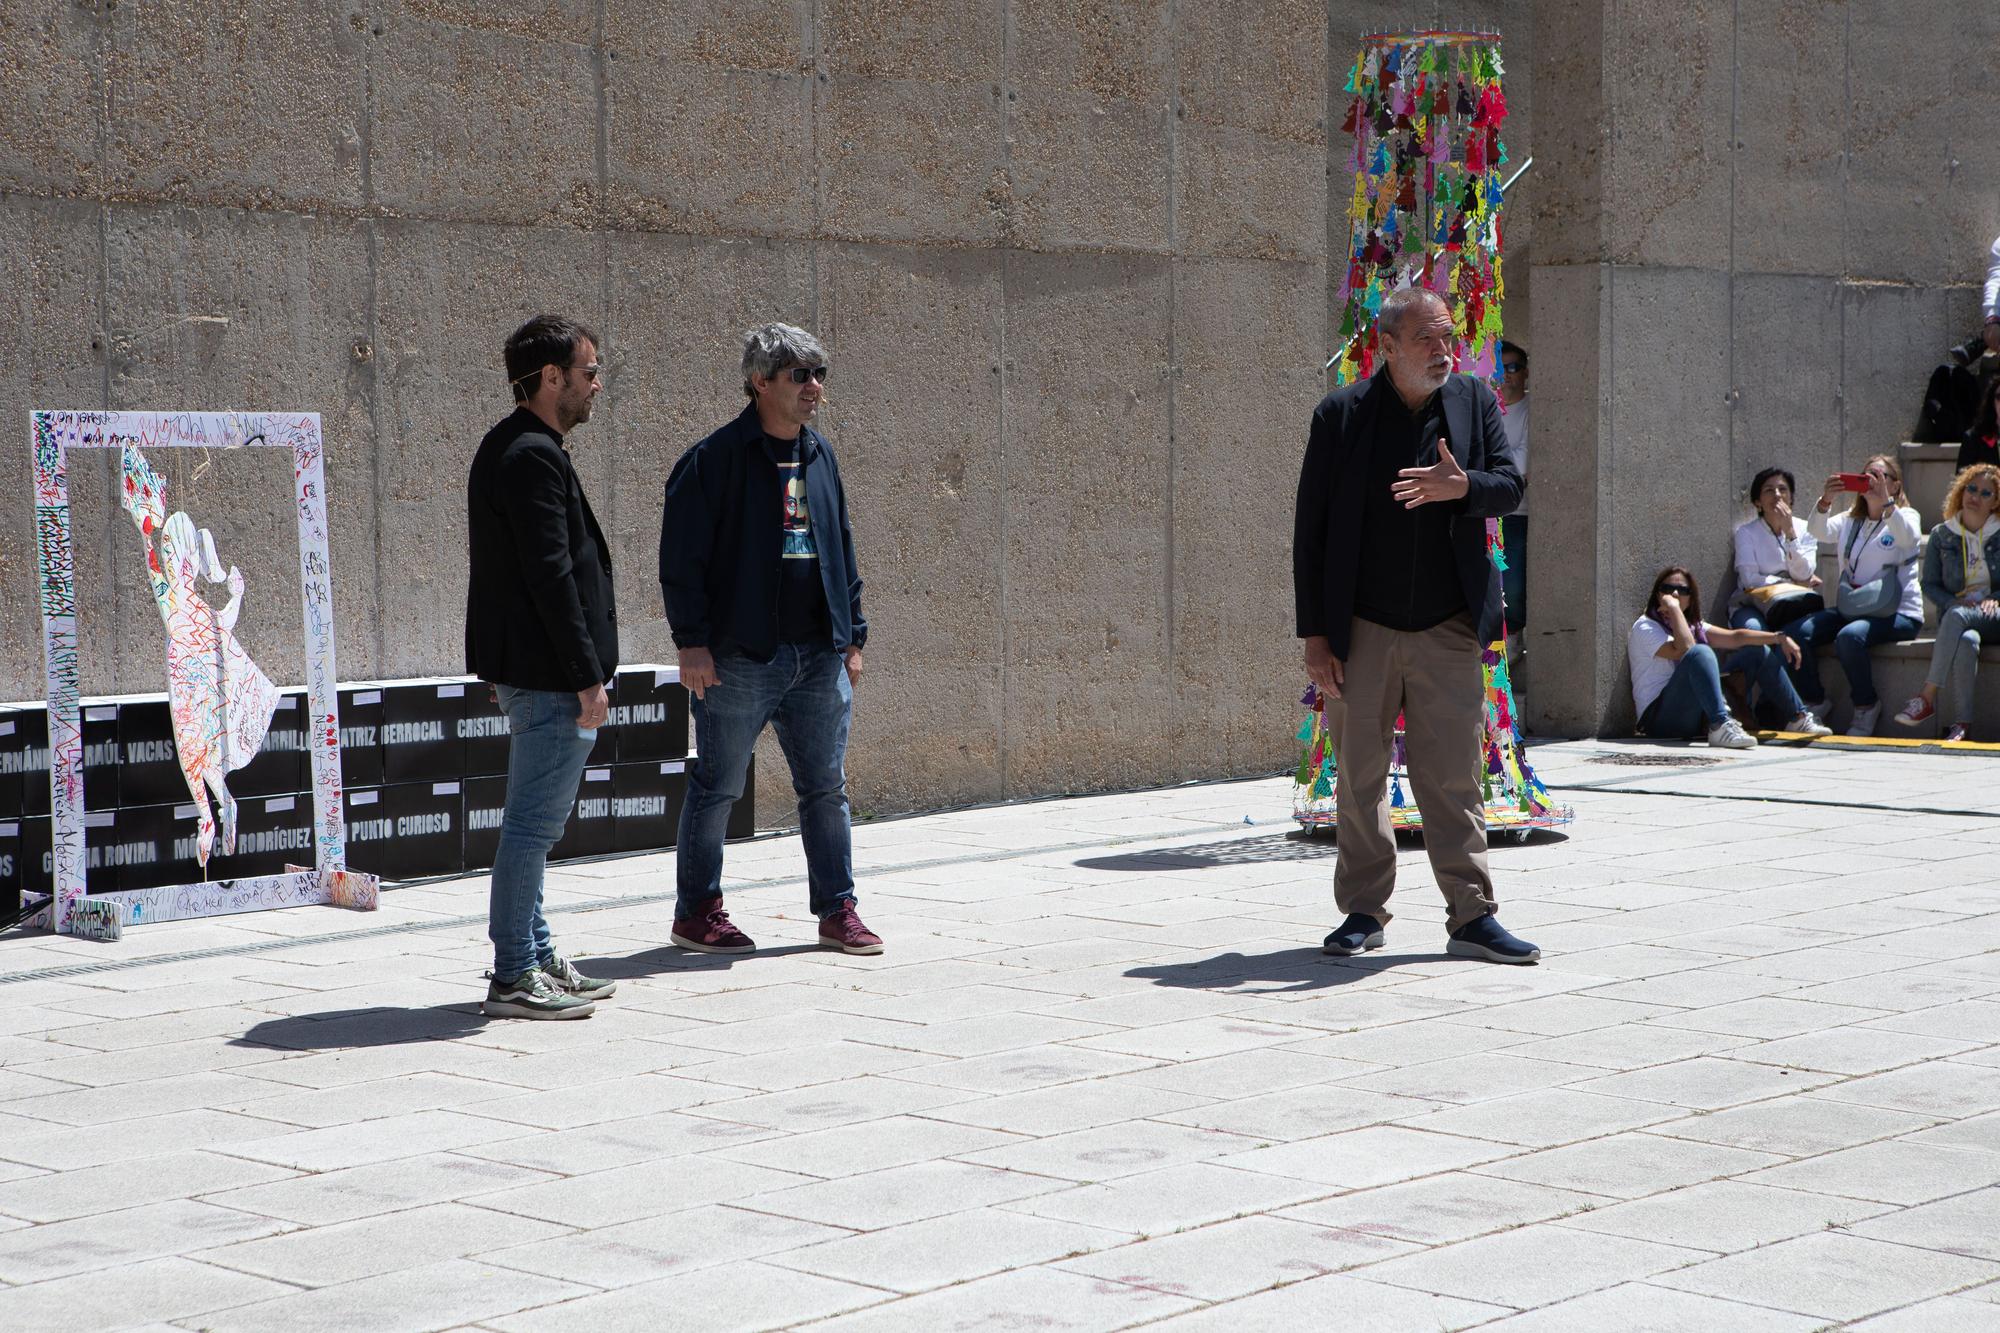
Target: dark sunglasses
x,y
1983,492
1512,367
1677,589
800,374
595,370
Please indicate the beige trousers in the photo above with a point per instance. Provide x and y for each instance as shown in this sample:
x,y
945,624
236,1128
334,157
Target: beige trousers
x,y
1433,678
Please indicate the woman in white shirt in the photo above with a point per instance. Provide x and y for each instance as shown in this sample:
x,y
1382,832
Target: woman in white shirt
x,y
1677,680
1775,552
1959,562
1879,541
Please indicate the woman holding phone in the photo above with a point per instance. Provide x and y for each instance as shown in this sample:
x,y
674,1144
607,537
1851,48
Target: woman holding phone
x,y
1677,680
1958,578
1777,579
1876,598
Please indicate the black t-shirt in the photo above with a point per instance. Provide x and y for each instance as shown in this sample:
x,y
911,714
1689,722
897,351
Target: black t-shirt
x,y
802,614
1408,577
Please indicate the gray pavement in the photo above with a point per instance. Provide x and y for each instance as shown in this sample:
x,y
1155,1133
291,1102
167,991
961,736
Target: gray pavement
x,y
1102,1078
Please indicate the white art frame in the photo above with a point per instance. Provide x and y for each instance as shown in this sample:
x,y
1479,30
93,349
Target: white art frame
x,y
71,909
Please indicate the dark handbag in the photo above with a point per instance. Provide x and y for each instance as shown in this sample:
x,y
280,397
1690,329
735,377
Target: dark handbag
x,y
1779,604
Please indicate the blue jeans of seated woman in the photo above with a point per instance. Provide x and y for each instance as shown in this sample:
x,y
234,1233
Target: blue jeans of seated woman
x,y
804,694
1693,700
1851,640
546,751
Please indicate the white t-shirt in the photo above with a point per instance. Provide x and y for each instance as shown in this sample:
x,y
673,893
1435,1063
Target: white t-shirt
x,y
1872,548
1650,671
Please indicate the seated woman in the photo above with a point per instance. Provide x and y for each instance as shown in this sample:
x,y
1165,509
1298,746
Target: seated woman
x,y
1875,599
1982,439
1776,555
1959,561
1677,681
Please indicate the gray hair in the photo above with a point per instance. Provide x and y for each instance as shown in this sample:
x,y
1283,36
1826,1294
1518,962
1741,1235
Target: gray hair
x,y
1400,304
770,348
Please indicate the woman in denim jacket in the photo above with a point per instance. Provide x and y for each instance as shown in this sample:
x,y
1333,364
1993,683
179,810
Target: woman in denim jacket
x,y
1959,563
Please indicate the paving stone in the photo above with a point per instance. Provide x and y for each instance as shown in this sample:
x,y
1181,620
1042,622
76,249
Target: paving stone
x,y
1532,1266
1235,1258
1795,1126
122,1238
1641,1307
1159,1202
432,1296
159,1289
1301,1113
1543,1119
1893,1171
1967,1224
1450,1207
380,1140
341,1196
1707,1083
1940,1087
902,1194
1040,1298
1341,1301
1725,1215
1359,1158
385,1243
1833,1276
54,1196
620,1143
939,1251
1961,1314
680,1242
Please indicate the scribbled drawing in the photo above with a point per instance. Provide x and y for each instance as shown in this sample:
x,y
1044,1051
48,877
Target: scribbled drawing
x,y
220,699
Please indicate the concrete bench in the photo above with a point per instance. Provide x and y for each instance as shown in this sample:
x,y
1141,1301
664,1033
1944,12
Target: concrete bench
x,y
1900,669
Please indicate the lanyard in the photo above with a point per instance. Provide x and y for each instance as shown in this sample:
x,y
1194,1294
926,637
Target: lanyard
x,y
1847,556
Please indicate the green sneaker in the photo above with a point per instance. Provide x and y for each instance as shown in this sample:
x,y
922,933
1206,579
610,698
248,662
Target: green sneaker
x,y
532,995
563,972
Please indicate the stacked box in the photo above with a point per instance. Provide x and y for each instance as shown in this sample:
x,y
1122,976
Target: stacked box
x,y
272,832
743,815
279,767
485,803
420,731
649,713
646,801
428,832
360,737
12,872
588,832
482,727
16,757
168,834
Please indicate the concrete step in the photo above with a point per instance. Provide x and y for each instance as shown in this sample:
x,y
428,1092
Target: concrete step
x,y
1900,669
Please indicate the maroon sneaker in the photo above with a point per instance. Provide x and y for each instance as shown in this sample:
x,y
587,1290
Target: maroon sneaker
x,y
711,932
844,931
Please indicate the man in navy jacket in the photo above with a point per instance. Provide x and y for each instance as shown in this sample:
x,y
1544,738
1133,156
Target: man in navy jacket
x,y
757,568
541,625
1397,600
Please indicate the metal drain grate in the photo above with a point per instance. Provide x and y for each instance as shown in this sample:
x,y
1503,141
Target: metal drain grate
x,y
1655,760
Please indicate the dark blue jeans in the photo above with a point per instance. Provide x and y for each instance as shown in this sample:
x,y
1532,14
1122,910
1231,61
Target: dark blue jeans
x,y
1692,701
804,694
546,751
1851,640
1514,578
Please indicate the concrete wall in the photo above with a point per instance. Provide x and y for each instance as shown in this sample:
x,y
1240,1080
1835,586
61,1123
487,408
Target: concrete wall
x,y
1069,256
1758,226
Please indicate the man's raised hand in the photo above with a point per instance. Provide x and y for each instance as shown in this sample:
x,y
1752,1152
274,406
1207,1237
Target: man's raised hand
x,y
1443,480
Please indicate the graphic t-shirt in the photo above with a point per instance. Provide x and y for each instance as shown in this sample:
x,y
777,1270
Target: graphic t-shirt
x,y
802,616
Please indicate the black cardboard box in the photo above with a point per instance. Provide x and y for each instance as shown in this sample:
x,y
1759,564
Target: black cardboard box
x,y
279,767
360,737
12,872
272,832
163,840
646,800
35,864
743,815
649,713
100,756
149,764
483,729
22,762
420,737
588,832
485,803
426,831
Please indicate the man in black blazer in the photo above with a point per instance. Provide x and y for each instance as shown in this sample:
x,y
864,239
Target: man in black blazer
x,y
1397,600
540,625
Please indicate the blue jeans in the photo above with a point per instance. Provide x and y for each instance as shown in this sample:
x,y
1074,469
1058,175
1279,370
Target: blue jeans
x,y
1514,578
1851,641
546,751
804,694
1692,701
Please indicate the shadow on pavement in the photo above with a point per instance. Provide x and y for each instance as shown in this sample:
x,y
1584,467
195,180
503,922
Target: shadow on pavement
x,y
1280,973
1277,848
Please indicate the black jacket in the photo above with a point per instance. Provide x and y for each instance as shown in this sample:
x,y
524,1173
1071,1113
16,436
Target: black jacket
x,y
1326,532
539,612
722,538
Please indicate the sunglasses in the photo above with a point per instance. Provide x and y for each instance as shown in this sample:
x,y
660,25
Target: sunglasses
x,y
1677,589
1512,367
595,370
1983,492
800,374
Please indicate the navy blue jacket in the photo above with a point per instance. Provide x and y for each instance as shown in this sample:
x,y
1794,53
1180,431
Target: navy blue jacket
x,y
722,541
1326,531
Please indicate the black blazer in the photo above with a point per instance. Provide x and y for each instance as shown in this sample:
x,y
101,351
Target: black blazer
x,y
1326,531
539,613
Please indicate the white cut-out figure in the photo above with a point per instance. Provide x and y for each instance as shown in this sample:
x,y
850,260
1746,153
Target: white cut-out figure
x,y
221,700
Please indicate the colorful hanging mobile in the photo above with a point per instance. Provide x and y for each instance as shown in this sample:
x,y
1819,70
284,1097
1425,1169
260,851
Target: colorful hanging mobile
x,y
1425,110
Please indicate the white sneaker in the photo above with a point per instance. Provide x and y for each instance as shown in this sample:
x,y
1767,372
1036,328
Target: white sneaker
x,y
1864,720
1806,724
1821,709
1728,734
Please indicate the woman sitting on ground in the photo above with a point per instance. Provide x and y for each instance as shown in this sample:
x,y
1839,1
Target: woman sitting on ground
x,y
1776,558
1677,681
1982,439
1959,561
1876,599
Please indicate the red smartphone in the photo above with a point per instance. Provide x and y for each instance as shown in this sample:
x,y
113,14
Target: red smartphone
x,y
1854,481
